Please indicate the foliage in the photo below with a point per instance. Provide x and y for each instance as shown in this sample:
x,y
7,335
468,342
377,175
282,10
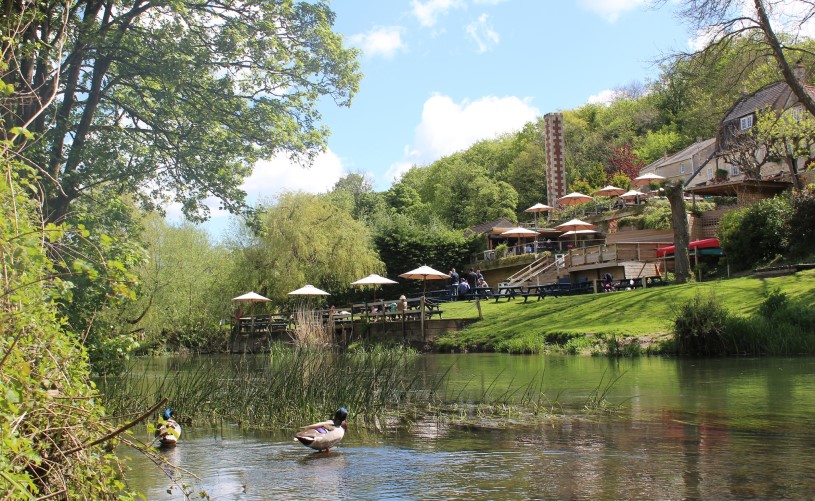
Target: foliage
x,y
624,160
48,411
658,143
699,327
756,234
404,245
173,100
303,239
802,223
620,180
184,290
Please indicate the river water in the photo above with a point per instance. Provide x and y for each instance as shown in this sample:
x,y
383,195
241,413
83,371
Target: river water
x,y
685,429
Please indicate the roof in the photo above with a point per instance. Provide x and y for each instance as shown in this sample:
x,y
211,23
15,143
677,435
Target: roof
x,y
687,152
482,228
731,188
776,95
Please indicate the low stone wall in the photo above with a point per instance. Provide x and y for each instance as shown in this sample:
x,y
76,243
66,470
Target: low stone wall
x,y
407,332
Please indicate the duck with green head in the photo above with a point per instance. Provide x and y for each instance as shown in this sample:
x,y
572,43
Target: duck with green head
x,y
169,431
325,435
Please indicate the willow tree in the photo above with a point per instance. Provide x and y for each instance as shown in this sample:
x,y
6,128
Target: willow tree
x,y
168,100
305,238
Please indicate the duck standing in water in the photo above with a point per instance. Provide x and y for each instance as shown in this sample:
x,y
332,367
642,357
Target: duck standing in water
x,y
169,431
325,435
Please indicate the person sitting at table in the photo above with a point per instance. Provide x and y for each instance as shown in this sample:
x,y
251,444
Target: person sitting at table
x,y
607,282
463,288
483,283
402,304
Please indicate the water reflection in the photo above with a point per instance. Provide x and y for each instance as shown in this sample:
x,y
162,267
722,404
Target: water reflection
x,y
723,429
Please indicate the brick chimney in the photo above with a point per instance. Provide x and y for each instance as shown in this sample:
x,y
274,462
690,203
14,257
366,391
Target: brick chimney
x,y
800,73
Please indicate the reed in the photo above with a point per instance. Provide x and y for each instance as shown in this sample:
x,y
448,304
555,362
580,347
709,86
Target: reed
x,y
292,385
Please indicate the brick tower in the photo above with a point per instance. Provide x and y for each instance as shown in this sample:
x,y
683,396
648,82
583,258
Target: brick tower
x,y
555,161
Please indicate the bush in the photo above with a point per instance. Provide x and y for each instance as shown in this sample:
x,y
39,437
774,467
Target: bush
x,y
699,327
755,234
802,220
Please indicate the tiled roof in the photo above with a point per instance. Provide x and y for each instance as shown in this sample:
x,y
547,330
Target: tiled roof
x,y
774,95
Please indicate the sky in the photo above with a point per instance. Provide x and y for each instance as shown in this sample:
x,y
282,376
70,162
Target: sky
x,y
440,75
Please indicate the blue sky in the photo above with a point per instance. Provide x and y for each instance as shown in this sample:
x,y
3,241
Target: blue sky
x,y
440,75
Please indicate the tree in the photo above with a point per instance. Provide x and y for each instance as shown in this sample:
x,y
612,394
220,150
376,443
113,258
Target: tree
x,y
679,220
169,100
305,238
624,160
727,21
788,135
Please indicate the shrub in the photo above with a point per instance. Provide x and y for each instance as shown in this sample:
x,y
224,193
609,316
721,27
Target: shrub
x,y
755,234
699,327
802,221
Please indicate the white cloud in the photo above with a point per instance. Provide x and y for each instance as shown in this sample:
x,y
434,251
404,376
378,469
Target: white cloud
x,y
383,41
272,177
427,12
483,33
610,10
447,127
605,97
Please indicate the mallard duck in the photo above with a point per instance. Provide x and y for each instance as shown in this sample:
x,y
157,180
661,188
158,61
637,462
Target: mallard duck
x,y
169,431
325,435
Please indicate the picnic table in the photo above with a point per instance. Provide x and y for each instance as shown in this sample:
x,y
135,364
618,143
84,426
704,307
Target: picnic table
x,y
508,292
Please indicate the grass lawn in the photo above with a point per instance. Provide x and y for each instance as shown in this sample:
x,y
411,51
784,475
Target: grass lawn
x,y
645,314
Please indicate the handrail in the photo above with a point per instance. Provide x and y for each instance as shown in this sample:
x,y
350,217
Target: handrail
x,y
537,267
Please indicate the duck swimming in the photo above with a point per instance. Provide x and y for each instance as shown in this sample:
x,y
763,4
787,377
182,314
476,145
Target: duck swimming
x,y
169,431
323,436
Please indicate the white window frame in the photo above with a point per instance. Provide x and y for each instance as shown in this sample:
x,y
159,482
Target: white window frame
x,y
709,173
745,122
681,167
734,170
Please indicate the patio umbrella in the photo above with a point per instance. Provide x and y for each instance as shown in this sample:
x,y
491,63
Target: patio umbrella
x,y
309,290
646,179
425,273
574,198
632,194
520,233
251,297
538,207
609,191
374,280
575,225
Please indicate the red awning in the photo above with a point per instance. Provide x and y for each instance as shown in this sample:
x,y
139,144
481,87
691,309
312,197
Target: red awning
x,y
707,243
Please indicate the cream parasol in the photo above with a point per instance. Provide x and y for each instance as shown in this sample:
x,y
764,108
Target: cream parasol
x,y
609,191
538,207
373,279
574,198
648,178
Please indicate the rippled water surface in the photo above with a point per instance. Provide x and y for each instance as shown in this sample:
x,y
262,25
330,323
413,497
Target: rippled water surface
x,y
722,429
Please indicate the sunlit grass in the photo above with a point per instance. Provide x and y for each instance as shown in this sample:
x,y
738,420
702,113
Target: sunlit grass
x,y
645,315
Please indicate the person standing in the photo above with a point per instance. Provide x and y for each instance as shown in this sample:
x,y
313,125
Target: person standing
x,y
453,283
472,278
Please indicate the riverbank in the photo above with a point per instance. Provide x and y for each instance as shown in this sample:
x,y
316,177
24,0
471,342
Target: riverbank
x,y
623,322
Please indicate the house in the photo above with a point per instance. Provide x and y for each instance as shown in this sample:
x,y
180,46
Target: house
x,y
740,162
683,164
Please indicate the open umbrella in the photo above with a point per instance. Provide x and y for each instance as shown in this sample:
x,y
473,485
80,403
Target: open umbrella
x,y
609,191
374,279
251,298
574,198
647,179
575,225
538,207
309,290
520,233
425,273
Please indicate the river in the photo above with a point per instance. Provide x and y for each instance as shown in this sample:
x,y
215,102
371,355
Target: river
x,y
685,429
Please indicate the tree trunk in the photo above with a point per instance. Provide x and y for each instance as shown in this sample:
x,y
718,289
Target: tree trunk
x,y
679,221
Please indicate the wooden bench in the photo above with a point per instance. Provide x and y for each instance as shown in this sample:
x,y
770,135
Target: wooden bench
x,y
508,292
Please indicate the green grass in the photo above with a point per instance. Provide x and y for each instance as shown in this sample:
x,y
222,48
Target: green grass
x,y
625,321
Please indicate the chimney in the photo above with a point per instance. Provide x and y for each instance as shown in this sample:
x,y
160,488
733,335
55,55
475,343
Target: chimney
x,y
800,73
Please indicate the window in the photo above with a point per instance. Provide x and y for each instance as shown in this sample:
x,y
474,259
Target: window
x,y
745,122
734,171
709,173
682,168
797,113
